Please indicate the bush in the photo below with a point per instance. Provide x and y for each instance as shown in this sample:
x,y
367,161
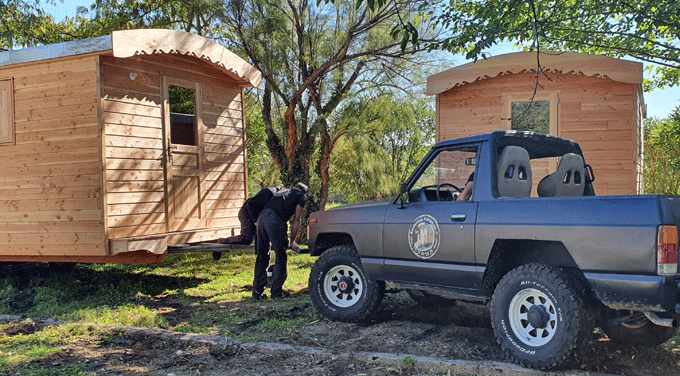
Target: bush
x,y
662,155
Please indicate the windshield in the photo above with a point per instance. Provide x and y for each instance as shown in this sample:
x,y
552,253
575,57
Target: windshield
x,y
450,168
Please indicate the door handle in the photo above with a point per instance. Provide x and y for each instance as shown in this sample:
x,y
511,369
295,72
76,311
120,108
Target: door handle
x,y
458,217
170,149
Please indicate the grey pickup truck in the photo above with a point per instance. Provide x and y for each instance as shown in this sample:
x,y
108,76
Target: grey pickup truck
x,y
550,259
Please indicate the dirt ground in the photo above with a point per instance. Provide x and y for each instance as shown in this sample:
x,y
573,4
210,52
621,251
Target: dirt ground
x,y
460,331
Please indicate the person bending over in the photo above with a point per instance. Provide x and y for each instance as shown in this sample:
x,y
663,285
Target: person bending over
x,y
272,229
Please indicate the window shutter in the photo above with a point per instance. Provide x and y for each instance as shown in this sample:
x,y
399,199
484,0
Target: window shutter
x,y
6,112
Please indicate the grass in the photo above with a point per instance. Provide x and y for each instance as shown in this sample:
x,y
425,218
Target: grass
x,y
28,350
125,294
190,293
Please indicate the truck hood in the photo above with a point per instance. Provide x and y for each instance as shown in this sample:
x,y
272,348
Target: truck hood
x,y
364,204
366,212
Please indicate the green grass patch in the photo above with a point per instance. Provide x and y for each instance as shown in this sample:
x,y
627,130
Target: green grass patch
x,y
50,370
126,315
125,294
27,350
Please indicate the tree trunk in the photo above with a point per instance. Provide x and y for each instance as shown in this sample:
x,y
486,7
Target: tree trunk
x,y
324,166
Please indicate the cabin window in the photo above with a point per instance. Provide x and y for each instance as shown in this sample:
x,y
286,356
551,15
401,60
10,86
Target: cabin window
x,y
6,112
529,111
182,101
531,116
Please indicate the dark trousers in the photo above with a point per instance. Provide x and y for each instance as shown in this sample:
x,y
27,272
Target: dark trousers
x,y
270,230
247,228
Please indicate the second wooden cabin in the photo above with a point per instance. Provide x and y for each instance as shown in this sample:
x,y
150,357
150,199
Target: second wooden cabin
x,y
112,148
594,100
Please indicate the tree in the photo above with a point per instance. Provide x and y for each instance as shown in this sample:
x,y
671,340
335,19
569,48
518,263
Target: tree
x,y
261,171
311,58
644,29
25,23
662,155
395,134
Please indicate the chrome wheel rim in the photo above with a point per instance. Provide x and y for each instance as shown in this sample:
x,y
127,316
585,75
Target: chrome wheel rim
x,y
343,286
533,317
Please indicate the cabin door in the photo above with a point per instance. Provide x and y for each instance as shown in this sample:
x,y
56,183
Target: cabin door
x,y
183,154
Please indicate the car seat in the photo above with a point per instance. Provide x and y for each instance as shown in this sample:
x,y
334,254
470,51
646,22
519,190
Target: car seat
x,y
568,180
514,172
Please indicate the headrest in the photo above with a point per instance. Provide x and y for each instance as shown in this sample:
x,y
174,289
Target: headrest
x,y
514,172
568,180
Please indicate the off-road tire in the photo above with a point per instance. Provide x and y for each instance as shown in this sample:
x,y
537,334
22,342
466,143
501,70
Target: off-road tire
x,y
539,335
639,332
361,298
428,300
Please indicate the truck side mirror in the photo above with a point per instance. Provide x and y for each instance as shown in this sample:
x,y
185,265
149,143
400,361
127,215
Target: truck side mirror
x,y
470,161
403,189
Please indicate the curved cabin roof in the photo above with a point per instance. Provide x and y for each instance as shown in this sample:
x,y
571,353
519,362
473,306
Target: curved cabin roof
x,y
128,43
567,62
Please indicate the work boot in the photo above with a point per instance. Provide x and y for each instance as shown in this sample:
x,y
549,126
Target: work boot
x,y
280,295
259,295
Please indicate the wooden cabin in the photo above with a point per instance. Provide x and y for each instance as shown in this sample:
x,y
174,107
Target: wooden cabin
x,y
594,100
113,148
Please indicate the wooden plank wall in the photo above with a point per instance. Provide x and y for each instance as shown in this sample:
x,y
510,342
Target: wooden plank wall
x,y
224,153
50,179
598,113
134,143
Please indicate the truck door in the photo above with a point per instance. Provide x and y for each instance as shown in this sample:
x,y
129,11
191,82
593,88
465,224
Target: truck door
x,y
430,239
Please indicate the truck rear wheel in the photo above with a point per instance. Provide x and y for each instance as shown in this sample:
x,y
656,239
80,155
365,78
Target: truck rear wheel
x,y
339,288
537,317
633,328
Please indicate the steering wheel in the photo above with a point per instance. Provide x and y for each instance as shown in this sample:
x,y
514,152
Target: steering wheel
x,y
439,187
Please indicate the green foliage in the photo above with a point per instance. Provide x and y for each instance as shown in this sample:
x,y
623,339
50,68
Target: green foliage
x,y
662,155
390,137
262,172
182,100
25,24
531,116
644,29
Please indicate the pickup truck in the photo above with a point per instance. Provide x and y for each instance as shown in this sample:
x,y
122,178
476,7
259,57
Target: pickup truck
x,y
549,257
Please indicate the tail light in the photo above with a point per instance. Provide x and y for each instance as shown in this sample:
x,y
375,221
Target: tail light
x,y
667,250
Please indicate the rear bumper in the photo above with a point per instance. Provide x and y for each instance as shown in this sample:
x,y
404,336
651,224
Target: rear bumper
x,y
636,292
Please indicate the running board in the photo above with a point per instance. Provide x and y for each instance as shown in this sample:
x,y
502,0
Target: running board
x,y
456,294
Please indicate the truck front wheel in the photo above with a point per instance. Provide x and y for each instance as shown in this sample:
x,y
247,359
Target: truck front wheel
x,y
633,328
339,288
537,317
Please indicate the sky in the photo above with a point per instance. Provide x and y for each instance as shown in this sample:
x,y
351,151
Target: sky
x,y
660,103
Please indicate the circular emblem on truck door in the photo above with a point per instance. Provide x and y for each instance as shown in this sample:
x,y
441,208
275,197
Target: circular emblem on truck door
x,y
423,236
